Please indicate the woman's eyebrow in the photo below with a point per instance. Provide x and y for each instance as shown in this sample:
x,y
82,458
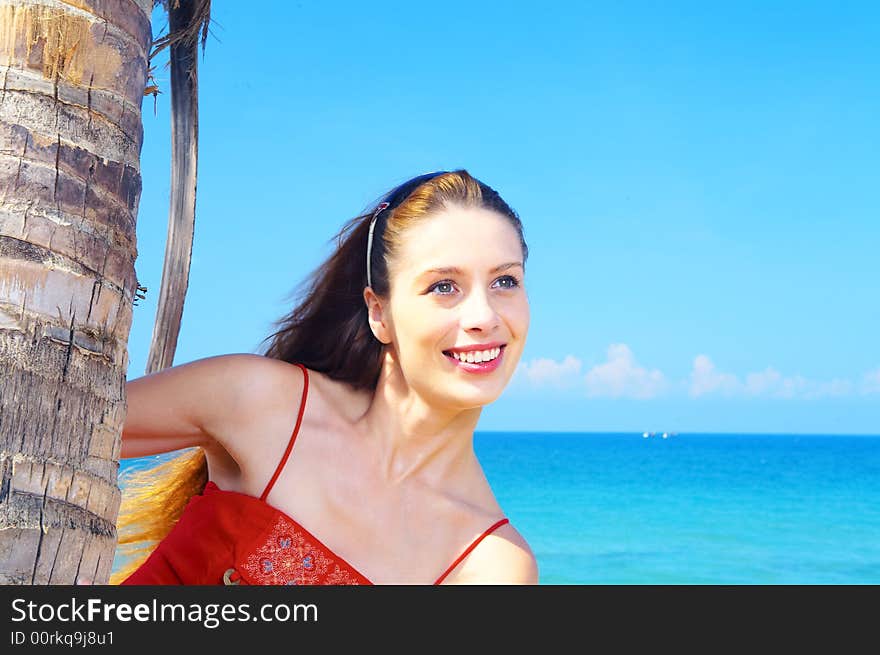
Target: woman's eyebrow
x,y
452,270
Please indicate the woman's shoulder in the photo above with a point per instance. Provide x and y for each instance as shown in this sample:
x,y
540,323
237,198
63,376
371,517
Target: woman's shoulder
x,y
200,402
248,364
282,384
267,394
256,400
242,381
503,557
251,376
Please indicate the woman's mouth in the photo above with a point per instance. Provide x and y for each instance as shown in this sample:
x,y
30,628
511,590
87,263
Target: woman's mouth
x,y
469,361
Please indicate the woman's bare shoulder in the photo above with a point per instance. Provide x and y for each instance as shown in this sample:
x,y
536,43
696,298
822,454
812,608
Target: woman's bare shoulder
x,y
252,385
281,384
227,396
248,364
263,410
503,557
193,404
262,374
267,394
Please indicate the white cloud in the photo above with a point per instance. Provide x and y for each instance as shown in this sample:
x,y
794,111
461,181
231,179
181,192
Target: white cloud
x,y
871,382
548,372
835,388
769,383
705,378
622,377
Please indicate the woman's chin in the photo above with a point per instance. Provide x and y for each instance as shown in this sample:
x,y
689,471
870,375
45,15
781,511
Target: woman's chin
x,y
478,395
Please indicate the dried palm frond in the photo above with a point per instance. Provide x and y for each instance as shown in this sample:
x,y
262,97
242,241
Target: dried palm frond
x,y
152,88
195,29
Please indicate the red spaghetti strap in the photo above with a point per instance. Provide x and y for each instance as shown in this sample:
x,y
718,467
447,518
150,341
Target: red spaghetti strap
x,y
470,548
302,407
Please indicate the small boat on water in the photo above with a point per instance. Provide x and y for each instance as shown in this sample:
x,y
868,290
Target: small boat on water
x,y
664,435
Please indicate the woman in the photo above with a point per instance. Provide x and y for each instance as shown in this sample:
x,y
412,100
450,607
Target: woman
x,y
378,377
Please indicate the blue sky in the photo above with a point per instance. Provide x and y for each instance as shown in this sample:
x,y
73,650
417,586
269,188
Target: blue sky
x,y
698,186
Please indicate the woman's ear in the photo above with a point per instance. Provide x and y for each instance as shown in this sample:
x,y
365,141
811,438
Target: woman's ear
x,y
377,315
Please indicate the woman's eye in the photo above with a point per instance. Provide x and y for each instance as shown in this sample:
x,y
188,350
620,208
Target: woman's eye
x,y
513,281
443,285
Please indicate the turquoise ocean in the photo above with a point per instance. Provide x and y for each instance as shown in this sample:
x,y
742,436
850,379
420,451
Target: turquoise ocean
x,y
690,508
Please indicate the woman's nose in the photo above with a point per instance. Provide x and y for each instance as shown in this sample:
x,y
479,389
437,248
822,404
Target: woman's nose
x,y
477,311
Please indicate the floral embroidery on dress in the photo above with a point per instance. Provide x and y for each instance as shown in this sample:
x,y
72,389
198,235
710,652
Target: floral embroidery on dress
x,y
289,556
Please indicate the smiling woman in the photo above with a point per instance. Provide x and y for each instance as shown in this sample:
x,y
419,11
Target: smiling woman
x,y
378,376
451,306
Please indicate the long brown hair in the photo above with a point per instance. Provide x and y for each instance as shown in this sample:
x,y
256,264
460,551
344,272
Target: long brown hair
x,y
329,310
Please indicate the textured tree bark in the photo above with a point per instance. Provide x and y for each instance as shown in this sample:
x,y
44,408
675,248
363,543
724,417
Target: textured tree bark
x,y
73,73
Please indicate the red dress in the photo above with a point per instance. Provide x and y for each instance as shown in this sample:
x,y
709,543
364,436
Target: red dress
x,y
233,538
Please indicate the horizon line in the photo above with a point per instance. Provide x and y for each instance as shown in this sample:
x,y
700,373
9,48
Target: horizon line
x,y
690,432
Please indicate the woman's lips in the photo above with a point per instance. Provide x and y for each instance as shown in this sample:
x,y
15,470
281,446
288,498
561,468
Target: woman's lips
x,y
477,367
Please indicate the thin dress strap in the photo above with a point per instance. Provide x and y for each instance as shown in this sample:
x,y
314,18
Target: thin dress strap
x,y
302,407
470,548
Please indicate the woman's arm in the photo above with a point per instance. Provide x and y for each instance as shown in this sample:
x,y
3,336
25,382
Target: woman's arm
x,y
186,405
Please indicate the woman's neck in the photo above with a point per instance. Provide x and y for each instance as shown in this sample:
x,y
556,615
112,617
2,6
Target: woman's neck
x,y
414,438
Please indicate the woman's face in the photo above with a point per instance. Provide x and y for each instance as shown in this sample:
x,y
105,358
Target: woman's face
x,y
478,300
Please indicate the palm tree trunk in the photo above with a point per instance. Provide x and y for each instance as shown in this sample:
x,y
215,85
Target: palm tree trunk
x,y
73,76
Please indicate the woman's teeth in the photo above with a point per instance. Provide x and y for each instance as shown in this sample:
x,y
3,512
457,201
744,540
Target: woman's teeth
x,y
477,356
